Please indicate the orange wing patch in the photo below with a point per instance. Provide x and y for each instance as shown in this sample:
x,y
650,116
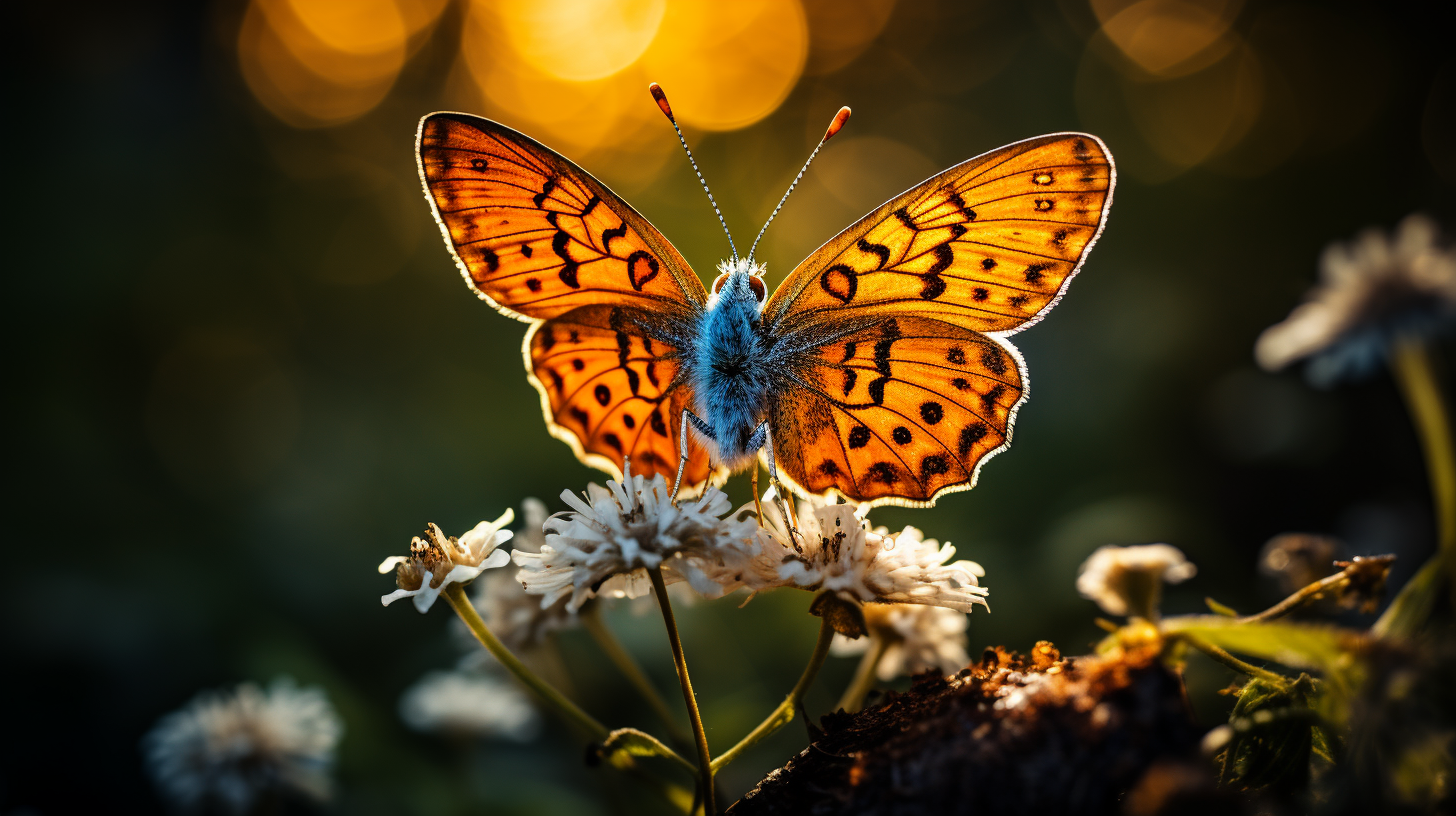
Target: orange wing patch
x,y
898,412
612,392
536,235
988,245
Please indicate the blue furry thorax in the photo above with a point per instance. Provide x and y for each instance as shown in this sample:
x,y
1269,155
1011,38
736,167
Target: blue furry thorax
x,y
729,365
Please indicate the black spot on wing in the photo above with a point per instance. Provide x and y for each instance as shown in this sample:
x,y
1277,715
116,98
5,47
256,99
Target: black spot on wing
x,y
883,472
993,361
559,242
1035,272
492,260
877,390
612,232
880,251
850,376
613,441
839,282
859,436
932,412
970,435
603,394
829,468
955,355
933,465
905,219
901,435
990,398
540,198
658,426
534,284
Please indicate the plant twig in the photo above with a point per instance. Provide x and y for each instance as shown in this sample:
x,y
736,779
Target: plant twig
x,y
591,620
864,676
1229,660
784,714
454,595
1306,595
705,758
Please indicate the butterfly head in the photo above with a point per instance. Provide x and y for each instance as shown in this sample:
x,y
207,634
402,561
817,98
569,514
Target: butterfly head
x,y
739,279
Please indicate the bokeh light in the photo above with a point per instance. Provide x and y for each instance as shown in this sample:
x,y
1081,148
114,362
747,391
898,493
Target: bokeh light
x,y
316,63
579,40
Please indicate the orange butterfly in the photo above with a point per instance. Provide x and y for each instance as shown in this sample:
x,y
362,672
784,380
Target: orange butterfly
x,y
879,370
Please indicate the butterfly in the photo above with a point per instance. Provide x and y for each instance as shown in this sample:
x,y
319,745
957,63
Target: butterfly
x,y
879,370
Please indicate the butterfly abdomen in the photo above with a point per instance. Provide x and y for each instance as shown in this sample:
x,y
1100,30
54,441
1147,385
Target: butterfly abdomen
x,y
730,371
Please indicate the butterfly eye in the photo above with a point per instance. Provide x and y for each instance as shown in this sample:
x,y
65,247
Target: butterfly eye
x,y
719,281
756,284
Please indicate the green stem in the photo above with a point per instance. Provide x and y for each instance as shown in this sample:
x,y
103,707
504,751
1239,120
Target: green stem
x,y
591,620
784,714
1415,373
1300,598
700,737
864,676
454,595
1229,660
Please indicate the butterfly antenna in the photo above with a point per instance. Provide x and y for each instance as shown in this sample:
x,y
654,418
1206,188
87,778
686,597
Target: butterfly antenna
x,y
834,126
661,98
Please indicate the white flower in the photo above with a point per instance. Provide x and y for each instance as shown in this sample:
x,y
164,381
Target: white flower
x,y
515,616
610,537
438,561
1128,580
834,551
1371,292
226,750
470,703
917,638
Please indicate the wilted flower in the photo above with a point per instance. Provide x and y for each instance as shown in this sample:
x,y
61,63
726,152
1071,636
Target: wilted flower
x,y
607,541
513,615
469,703
1371,292
436,561
1129,580
1298,559
232,750
835,551
917,638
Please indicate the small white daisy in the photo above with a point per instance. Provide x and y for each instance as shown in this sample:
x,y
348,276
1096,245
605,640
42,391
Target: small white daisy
x,y
513,615
836,551
1371,292
230,750
917,638
1129,580
604,545
469,703
437,561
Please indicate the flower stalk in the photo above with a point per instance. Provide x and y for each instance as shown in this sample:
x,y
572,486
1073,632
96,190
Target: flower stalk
x,y
864,676
784,714
1415,374
591,620
454,595
700,737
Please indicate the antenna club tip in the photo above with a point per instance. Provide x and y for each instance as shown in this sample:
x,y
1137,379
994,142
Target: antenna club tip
x,y
838,123
660,98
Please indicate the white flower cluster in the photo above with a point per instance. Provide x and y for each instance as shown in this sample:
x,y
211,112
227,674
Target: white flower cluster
x,y
612,535
1128,580
228,750
1371,291
835,550
514,615
917,638
469,703
438,560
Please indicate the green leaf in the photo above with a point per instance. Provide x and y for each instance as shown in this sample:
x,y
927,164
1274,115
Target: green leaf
x,y
1315,647
1219,609
629,742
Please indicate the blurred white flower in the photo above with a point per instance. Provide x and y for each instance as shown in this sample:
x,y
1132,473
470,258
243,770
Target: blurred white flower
x,y
515,616
1128,580
469,703
1371,291
231,750
436,561
835,551
610,537
917,638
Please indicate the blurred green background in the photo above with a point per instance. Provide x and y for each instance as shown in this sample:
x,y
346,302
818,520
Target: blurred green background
x,y
244,368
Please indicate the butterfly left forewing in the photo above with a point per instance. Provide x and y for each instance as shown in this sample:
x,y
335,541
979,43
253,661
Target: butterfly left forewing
x,y
897,412
988,245
537,236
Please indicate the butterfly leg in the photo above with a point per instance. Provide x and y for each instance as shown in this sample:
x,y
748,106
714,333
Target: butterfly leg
x,y
760,439
688,418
